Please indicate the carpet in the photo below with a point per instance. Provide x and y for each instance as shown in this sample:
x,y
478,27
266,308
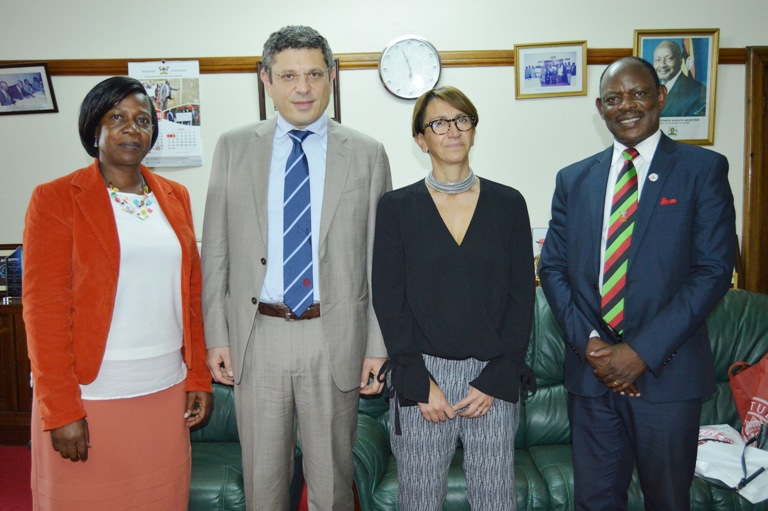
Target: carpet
x,y
15,466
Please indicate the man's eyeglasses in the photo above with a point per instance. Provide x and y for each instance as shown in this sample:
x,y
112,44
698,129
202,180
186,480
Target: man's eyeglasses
x,y
290,77
441,126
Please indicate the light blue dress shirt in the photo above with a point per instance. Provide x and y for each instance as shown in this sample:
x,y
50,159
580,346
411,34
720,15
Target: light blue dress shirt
x,y
316,148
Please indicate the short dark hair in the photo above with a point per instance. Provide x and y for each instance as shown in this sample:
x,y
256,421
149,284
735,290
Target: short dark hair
x,y
450,95
637,60
294,37
100,100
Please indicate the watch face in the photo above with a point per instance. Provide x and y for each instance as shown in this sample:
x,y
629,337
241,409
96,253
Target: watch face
x,y
409,66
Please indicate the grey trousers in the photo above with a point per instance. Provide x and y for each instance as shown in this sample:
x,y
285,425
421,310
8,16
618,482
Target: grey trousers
x,y
424,450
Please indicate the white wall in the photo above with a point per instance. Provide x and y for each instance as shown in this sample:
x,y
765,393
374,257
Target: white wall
x,y
522,143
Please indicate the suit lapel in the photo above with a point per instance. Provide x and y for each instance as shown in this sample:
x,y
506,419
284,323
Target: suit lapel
x,y
260,152
597,184
661,165
92,199
338,161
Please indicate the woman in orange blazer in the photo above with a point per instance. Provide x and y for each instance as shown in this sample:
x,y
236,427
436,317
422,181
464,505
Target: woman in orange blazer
x,y
111,296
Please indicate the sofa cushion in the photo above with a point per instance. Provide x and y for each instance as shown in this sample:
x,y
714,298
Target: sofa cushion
x,y
217,477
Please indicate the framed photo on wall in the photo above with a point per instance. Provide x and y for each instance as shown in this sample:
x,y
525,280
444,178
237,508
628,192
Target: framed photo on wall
x,y
26,89
267,106
686,63
550,69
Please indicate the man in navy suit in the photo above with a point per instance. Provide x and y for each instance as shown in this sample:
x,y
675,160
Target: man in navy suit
x,y
686,97
634,394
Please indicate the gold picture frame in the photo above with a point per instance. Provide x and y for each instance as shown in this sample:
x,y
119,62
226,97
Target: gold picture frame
x,y
689,114
550,69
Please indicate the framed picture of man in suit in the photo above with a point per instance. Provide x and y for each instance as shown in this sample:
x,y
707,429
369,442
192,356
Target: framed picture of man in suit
x,y
26,89
267,106
686,63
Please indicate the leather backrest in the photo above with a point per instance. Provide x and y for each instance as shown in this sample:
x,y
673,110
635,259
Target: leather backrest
x,y
222,423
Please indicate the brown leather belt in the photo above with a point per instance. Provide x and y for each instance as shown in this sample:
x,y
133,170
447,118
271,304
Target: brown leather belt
x,y
281,311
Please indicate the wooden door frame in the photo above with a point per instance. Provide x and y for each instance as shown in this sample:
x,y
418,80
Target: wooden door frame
x,y
753,274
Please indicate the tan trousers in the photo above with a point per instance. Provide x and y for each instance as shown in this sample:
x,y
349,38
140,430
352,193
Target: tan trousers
x,y
287,386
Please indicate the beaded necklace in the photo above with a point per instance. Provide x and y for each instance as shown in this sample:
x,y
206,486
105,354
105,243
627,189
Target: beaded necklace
x,y
139,208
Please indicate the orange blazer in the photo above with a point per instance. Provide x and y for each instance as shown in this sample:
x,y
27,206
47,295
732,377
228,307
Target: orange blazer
x,y
71,261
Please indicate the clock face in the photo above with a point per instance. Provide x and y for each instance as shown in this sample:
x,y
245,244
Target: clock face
x,y
409,66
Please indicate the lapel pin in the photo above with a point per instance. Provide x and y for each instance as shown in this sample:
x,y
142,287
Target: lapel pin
x,y
653,177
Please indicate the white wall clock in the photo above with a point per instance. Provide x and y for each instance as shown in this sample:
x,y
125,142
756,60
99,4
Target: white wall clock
x,y
409,66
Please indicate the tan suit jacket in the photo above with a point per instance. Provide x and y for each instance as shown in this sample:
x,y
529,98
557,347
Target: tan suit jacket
x,y
235,244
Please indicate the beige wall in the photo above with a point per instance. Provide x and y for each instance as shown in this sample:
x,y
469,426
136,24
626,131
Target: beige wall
x,y
522,143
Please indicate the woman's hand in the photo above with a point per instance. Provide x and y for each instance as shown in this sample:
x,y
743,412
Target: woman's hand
x,y
72,440
476,404
438,409
198,407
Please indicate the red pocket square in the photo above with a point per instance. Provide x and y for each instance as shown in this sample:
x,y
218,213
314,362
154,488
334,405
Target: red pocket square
x,y
667,202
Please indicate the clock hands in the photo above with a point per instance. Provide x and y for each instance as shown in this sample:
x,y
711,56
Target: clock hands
x,y
407,63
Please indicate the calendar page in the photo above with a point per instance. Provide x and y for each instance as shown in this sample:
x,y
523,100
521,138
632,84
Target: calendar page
x,y
174,88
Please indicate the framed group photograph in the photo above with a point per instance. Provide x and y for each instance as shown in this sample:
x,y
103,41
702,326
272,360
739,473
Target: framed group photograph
x,y
686,63
26,89
550,69
267,106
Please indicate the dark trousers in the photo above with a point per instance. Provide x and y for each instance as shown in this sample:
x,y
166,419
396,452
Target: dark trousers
x,y
613,433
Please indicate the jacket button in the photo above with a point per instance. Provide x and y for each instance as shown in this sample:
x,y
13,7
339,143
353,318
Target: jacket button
x,y
254,300
263,261
594,286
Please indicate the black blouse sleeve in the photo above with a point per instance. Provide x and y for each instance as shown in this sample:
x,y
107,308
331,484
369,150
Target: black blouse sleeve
x,y
507,377
409,376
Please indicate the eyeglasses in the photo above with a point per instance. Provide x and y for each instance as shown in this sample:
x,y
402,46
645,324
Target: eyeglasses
x,y
441,126
291,77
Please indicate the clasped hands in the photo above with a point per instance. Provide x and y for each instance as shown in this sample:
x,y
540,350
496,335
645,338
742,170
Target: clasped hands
x,y
617,366
438,409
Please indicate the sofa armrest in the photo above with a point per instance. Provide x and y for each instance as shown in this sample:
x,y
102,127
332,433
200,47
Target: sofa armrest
x,y
371,454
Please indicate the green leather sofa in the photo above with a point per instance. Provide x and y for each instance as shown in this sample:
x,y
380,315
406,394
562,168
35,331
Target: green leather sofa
x,y
217,470
543,469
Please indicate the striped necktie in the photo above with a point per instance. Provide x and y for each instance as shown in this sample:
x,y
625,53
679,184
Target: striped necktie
x,y
297,229
622,223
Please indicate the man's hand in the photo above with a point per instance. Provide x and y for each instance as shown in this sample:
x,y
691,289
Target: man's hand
x,y
438,409
616,365
72,440
371,367
220,365
475,405
198,407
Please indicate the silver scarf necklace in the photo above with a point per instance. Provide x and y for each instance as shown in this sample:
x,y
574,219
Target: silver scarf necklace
x,y
452,188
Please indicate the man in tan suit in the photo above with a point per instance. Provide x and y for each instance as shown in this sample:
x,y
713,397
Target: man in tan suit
x,y
289,365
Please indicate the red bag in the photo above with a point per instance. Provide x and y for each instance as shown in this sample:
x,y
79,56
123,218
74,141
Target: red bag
x,y
749,386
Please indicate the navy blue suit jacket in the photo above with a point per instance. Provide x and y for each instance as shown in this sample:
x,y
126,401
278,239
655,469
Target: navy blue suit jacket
x,y
680,265
688,98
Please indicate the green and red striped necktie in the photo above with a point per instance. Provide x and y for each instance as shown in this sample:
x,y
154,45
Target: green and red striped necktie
x,y
622,223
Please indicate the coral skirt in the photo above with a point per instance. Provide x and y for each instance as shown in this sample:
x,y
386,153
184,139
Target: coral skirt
x,y
139,459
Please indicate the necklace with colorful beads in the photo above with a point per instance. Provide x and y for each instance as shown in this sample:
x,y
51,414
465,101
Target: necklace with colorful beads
x,y
141,209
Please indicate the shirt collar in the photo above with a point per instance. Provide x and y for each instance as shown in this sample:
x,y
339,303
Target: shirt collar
x,y
670,83
319,127
646,148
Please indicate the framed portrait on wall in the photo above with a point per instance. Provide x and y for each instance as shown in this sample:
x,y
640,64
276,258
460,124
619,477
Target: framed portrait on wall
x,y
267,106
686,63
26,89
550,69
